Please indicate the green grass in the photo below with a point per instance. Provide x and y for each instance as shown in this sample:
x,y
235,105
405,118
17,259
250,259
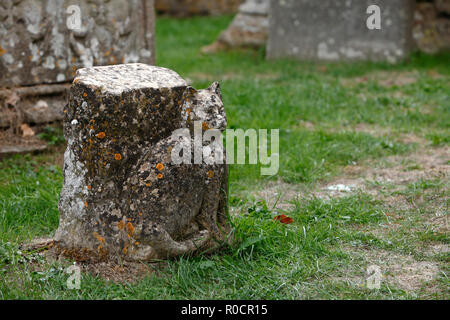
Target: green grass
x,y
269,260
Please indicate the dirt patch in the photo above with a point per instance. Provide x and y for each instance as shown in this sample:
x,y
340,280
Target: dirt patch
x,y
400,271
426,163
120,271
384,78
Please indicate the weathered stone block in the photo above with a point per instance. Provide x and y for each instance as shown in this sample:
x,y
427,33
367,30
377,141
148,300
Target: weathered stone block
x,y
122,194
248,28
37,46
337,30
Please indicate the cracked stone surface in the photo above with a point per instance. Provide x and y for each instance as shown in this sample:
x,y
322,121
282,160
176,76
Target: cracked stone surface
x,y
122,195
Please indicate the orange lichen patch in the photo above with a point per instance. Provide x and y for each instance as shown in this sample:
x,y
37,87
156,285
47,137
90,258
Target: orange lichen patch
x,y
117,156
86,204
90,141
89,187
205,126
85,94
99,237
148,184
31,58
2,51
140,214
137,243
210,174
130,229
91,127
159,176
101,135
125,250
159,166
121,225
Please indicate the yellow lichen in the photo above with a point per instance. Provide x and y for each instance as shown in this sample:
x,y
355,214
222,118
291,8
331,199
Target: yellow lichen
x,y
101,135
117,156
160,166
159,176
99,238
210,174
130,229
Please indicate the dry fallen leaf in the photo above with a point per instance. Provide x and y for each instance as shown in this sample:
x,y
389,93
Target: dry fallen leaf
x,y
26,130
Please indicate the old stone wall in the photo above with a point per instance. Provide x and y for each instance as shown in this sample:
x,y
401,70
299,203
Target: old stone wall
x,y
196,7
43,43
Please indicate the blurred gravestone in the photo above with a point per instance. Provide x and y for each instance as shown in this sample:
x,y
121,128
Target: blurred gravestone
x,y
336,30
43,43
248,28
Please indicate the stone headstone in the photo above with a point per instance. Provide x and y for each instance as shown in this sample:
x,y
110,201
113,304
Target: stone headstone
x,y
248,28
123,196
43,43
334,30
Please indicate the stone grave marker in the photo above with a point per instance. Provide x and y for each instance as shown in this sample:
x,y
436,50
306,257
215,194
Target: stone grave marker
x,y
335,30
123,195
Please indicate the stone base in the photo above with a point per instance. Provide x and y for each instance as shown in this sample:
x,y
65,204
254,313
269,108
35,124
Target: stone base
x,y
248,28
36,104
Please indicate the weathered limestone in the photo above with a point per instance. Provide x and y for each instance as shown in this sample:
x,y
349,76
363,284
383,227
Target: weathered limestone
x,y
39,45
336,30
123,196
183,8
248,28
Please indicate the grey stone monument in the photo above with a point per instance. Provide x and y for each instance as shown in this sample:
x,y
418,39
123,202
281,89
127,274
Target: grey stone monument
x,y
335,30
123,195
43,43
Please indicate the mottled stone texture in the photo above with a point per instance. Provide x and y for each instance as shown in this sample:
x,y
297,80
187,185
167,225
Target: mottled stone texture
x,y
122,195
248,28
336,30
36,46
196,7
37,49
